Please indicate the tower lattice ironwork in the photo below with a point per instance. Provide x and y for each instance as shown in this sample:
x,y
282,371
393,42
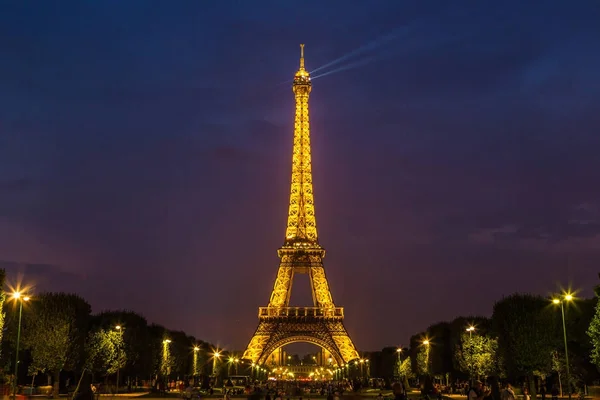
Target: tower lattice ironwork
x,y
279,324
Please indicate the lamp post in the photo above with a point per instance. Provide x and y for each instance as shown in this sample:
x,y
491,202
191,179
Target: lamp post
x,y
566,297
119,329
196,350
362,362
216,355
471,329
18,296
426,343
399,361
166,367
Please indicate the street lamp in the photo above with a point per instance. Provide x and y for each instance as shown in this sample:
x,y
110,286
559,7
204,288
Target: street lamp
x,y
166,359
216,355
196,350
120,330
566,297
399,361
18,296
471,329
426,343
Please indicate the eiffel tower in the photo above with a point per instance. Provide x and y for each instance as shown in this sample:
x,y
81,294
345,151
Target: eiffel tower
x,y
279,324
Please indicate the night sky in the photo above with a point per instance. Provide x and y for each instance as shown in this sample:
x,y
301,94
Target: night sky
x,y
145,155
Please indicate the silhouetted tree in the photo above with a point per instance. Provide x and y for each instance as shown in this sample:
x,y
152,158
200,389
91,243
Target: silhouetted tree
x,y
56,328
526,327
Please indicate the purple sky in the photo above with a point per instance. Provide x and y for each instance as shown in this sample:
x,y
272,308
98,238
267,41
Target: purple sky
x,y
145,155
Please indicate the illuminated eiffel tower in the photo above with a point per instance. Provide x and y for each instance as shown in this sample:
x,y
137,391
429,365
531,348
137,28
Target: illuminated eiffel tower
x,y
323,324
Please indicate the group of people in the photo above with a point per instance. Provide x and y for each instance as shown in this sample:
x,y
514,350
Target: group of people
x,y
480,392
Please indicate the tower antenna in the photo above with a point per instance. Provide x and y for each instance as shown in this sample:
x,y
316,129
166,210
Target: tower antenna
x,y
302,56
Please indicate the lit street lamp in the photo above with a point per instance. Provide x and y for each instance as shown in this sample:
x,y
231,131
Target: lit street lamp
x,y
18,296
196,350
566,297
399,361
426,343
216,355
471,329
166,359
118,328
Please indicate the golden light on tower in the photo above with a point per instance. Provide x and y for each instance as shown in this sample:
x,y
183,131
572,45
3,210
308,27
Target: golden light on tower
x,y
301,252
301,215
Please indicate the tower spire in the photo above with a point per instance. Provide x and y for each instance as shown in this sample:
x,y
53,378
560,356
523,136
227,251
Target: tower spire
x,y
301,224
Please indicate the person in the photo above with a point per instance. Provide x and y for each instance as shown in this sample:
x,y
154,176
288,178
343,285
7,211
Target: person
x,y
508,393
526,395
477,392
189,392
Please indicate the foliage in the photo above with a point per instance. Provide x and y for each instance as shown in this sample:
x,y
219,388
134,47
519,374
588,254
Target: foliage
x,y
137,340
423,361
180,348
458,327
593,332
167,360
106,351
440,352
55,331
405,370
526,327
2,300
477,355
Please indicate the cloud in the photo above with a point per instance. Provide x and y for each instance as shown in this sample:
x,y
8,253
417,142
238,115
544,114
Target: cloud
x,y
39,277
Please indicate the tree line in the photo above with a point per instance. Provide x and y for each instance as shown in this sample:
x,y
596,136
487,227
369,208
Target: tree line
x,y
60,338
522,342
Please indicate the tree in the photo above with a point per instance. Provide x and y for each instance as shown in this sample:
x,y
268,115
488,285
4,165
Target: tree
x,y
180,350
527,334
440,352
405,372
106,352
2,300
55,331
423,361
458,327
594,333
138,342
477,355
